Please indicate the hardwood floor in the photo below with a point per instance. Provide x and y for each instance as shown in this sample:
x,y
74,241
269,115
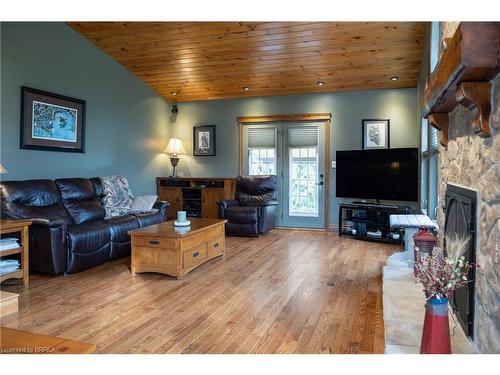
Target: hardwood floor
x,y
288,292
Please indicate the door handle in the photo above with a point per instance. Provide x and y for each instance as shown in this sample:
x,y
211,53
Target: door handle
x,y
321,183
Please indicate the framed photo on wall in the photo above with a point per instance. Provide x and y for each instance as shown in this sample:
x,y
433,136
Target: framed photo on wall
x,y
204,140
375,133
51,122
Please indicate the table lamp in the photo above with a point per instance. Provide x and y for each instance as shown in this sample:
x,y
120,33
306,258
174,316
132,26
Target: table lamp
x,y
174,147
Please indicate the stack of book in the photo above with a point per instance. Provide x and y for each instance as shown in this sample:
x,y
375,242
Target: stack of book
x,y
8,243
8,265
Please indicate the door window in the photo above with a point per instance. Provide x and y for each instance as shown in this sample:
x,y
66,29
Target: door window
x,y
262,161
303,181
262,150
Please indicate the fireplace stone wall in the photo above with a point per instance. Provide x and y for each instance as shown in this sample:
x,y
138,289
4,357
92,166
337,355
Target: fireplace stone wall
x,y
474,162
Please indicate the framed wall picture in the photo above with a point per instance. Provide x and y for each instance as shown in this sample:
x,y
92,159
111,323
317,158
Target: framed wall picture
x,y
204,140
51,122
375,133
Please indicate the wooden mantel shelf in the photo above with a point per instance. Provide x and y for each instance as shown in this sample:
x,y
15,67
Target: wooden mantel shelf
x,y
471,58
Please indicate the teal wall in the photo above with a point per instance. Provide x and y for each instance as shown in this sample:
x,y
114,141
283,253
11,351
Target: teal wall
x,y
347,109
126,122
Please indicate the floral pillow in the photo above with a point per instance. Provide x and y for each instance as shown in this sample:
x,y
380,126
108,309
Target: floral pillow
x,y
118,197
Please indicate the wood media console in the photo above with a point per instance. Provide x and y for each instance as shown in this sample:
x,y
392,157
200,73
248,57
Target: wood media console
x,y
197,196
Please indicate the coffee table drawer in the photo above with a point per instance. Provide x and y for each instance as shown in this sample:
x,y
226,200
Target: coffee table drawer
x,y
166,243
194,256
216,246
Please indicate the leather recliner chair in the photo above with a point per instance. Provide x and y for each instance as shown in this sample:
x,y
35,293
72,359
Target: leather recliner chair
x,y
254,210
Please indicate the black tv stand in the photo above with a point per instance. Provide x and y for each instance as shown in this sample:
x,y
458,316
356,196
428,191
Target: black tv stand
x,y
370,222
376,203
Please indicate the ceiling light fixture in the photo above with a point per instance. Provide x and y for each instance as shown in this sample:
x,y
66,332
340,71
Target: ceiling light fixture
x,y
246,88
320,83
394,78
173,93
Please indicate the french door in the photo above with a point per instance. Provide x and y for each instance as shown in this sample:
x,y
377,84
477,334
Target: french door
x,y
295,152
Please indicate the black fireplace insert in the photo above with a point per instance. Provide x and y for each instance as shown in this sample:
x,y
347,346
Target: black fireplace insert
x,y
460,219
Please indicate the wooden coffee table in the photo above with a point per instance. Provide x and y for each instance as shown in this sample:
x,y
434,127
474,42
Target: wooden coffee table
x,y
175,251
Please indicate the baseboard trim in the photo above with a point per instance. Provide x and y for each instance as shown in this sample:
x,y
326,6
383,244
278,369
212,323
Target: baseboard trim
x,y
333,227
304,229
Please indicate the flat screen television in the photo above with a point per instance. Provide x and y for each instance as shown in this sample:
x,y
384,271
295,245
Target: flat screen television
x,y
388,174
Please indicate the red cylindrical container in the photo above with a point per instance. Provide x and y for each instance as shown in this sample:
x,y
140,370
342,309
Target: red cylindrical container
x,y
425,241
436,332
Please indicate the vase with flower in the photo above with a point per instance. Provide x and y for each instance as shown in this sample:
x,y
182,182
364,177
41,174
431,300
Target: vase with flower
x,y
440,276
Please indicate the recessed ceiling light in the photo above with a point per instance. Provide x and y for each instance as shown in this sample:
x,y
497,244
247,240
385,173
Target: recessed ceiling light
x,y
173,93
394,78
320,83
246,88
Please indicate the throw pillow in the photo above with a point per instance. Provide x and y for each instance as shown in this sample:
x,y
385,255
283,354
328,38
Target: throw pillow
x,y
117,198
143,203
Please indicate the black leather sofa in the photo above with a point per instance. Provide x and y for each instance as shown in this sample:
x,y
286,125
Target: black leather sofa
x,y
254,210
69,231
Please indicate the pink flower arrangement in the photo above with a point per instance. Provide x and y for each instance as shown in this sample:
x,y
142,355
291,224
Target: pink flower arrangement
x,y
441,275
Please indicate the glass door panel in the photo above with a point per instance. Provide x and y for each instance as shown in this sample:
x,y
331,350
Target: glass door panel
x,y
304,191
303,175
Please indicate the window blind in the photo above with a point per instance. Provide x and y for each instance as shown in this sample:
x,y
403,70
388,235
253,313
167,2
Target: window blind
x,y
434,140
262,137
303,136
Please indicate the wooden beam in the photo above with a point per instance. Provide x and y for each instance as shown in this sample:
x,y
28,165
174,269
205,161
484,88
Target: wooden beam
x,y
477,94
472,54
440,121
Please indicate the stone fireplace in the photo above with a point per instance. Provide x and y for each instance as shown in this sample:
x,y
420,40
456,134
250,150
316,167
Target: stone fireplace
x,y
474,162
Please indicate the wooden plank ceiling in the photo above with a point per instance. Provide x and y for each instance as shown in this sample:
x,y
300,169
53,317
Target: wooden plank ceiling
x,y
216,60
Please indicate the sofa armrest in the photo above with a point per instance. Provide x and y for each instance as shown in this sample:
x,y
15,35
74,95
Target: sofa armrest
x,y
162,206
224,204
48,222
269,203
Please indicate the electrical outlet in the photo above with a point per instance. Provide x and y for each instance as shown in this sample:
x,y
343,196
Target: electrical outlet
x,y
334,164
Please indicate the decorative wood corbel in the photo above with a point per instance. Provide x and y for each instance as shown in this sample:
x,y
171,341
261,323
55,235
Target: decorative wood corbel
x,y
477,94
440,121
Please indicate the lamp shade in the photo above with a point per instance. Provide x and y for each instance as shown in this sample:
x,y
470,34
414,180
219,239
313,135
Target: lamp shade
x,y
174,147
2,169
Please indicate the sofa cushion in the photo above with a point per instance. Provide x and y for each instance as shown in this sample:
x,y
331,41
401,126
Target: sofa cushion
x,y
80,200
120,225
39,200
117,196
87,238
88,245
242,214
120,240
